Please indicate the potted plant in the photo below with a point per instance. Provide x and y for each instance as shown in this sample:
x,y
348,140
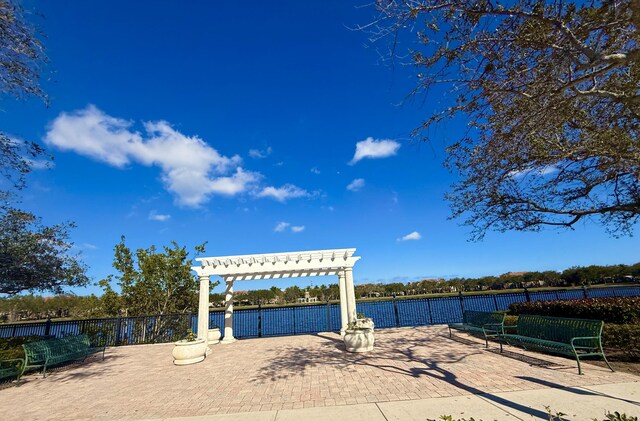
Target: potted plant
x,y
189,350
359,335
213,334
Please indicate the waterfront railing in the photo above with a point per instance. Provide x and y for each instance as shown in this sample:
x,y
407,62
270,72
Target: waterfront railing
x,y
300,319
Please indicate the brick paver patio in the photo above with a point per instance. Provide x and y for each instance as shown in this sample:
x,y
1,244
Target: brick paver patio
x,y
140,382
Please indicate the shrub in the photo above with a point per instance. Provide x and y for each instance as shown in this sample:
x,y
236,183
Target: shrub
x,y
11,348
610,310
625,338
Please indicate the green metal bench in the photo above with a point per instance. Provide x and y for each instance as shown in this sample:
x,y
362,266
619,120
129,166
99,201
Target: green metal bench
x,y
489,324
11,368
576,338
50,352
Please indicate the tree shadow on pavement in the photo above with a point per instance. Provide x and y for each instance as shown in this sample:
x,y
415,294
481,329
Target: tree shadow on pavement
x,y
575,390
413,354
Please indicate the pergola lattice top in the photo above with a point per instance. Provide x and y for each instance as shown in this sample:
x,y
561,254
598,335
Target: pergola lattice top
x,y
279,265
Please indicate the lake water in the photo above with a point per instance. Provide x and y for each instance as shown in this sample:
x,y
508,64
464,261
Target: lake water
x,y
306,319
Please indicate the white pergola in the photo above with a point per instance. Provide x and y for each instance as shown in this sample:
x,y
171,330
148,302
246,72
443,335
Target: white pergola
x,y
295,264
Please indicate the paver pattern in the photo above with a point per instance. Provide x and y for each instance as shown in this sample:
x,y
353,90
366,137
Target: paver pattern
x,y
140,382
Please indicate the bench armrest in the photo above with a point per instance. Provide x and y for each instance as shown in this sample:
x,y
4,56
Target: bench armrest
x,y
11,360
578,338
495,327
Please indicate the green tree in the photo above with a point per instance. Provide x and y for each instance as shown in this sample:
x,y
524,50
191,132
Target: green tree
x,y
550,93
292,293
32,256
21,60
152,281
35,257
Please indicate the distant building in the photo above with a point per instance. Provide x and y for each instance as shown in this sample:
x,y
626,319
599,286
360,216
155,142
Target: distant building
x,y
307,298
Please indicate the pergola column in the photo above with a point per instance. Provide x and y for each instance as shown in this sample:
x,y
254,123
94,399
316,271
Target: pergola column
x,y
228,312
344,315
351,294
203,307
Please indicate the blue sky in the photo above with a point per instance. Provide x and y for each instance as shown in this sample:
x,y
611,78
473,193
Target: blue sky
x,y
257,127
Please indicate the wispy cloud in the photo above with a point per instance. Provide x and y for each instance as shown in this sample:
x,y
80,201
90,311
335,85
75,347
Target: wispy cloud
x,y
260,154
356,184
550,169
284,193
373,148
281,226
284,226
154,216
315,170
190,168
412,236
40,164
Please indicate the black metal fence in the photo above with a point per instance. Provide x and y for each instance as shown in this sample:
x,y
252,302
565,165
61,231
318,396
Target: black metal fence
x,y
109,331
304,319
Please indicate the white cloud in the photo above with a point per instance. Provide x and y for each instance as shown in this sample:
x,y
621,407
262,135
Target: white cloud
x,y
413,236
281,226
190,168
372,148
550,169
154,216
356,184
40,164
260,154
282,194
315,170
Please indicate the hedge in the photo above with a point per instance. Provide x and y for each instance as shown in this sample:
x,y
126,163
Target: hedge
x,y
624,338
619,310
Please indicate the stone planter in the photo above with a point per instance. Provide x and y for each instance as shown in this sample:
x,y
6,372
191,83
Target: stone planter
x,y
192,352
213,335
359,340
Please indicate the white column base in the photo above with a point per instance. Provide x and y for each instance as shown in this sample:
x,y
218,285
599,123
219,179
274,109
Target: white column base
x,y
227,340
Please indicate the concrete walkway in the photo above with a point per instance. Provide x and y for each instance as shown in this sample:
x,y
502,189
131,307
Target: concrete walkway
x,y
580,403
409,371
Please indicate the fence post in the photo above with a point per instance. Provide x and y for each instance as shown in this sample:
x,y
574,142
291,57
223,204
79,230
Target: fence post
x,y
526,294
293,310
429,308
47,327
118,331
395,310
461,302
495,301
613,290
259,319
328,316
584,291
